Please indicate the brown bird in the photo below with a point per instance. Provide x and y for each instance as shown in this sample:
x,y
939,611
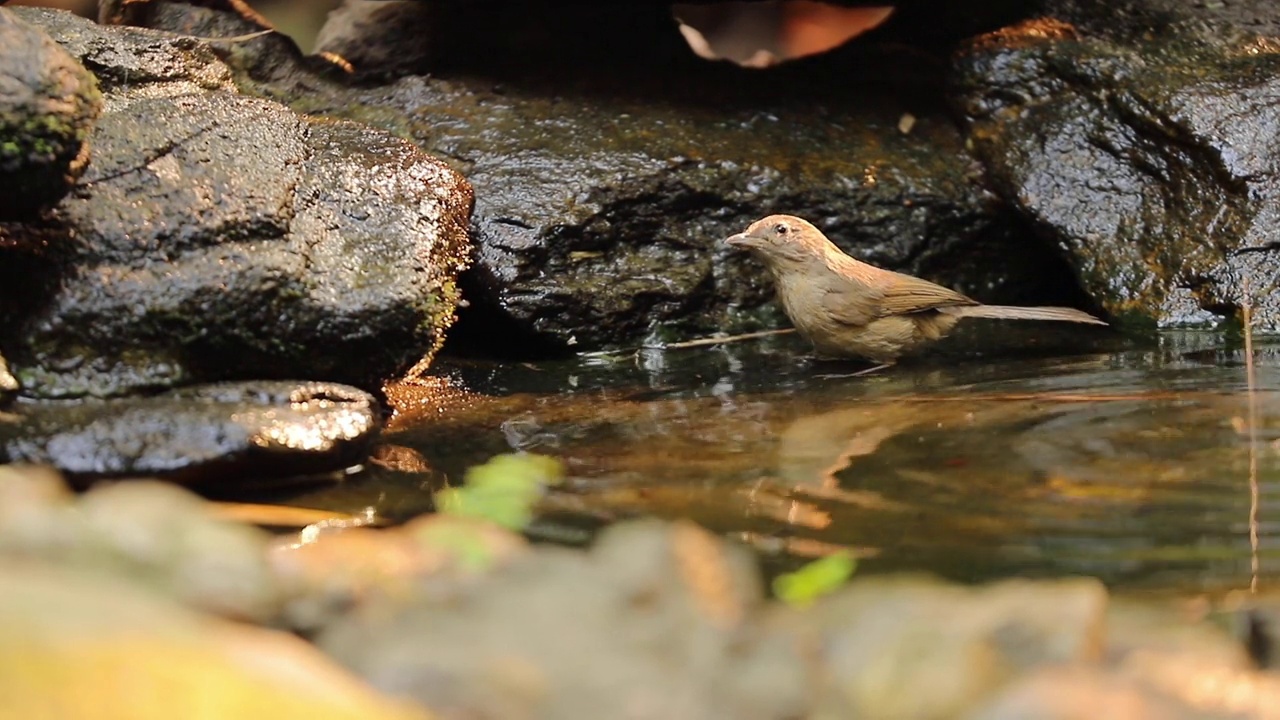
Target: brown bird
x,y
848,308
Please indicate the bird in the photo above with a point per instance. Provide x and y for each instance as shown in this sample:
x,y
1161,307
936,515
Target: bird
x,y
848,309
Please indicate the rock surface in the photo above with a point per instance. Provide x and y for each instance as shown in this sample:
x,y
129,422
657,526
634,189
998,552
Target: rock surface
x,y
607,173
48,103
1111,172
1143,142
1116,141
228,432
217,236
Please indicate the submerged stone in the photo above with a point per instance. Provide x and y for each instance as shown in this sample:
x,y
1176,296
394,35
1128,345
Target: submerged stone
x,y
202,434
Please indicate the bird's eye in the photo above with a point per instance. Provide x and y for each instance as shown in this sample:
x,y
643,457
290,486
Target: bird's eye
x,y
781,229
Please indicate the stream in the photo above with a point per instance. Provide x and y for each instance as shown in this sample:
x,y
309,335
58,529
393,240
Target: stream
x,y
1022,454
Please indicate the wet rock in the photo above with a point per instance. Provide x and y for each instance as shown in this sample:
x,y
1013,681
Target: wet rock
x,y
219,237
885,640
1144,144
379,36
80,644
201,434
143,12
48,103
607,173
650,624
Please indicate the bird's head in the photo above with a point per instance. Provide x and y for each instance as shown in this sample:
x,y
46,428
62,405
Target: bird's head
x,y
783,239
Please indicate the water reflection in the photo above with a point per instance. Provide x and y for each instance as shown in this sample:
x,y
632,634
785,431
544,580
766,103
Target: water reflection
x,y
1126,463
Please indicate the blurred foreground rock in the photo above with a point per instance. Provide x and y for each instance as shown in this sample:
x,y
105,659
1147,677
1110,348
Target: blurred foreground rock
x,y
656,620
152,533
653,622
216,236
206,434
80,645
332,571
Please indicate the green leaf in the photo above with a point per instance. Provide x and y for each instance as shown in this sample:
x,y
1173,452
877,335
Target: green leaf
x,y
503,490
815,579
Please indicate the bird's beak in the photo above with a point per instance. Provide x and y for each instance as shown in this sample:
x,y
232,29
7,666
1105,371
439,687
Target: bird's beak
x,y
740,240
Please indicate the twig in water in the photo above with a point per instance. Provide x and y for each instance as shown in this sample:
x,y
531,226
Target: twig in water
x,y
700,342
230,38
286,516
718,340
1251,383
1048,397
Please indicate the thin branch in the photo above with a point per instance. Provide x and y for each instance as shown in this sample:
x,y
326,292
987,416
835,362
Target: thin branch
x,y
1251,382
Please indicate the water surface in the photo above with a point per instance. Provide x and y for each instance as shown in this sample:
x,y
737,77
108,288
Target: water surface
x,y
1017,454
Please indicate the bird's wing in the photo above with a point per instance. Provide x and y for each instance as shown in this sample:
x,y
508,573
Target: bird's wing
x,y
850,303
905,294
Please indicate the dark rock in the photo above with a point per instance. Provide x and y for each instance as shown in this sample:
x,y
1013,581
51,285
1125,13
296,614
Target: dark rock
x,y
1143,143
48,103
605,182
222,237
382,36
143,12
199,434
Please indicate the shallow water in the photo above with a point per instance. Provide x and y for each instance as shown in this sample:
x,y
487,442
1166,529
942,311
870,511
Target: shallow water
x,y
1032,456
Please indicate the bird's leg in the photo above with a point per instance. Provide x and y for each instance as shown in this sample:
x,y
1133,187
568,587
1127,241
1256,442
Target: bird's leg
x,y
860,373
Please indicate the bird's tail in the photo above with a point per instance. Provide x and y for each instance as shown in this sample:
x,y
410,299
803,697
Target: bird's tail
x,y
1009,312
